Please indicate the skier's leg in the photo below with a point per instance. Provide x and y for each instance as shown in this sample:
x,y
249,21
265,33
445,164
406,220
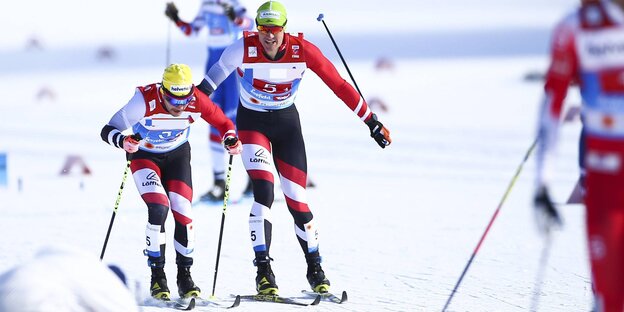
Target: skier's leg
x,y
258,162
605,222
290,159
605,234
177,179
146,175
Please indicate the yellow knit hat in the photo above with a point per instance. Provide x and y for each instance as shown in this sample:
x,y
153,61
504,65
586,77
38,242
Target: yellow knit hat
x,y
178,80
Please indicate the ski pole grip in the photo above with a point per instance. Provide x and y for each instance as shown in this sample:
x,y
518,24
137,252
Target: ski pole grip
x,y
320,17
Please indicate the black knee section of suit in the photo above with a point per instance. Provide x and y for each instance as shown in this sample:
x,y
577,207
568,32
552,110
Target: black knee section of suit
x,y
157,214
263,192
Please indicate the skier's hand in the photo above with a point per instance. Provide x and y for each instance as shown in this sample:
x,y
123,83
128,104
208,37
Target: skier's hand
x,y
233,145
172,12
131,143
378,132
228,10
546,214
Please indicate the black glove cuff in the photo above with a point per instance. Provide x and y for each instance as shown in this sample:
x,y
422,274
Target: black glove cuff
x,y
374,125
230,141
372,122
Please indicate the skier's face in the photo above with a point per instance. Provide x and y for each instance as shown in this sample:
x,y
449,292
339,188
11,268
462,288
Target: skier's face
x,y
271,38
175,105
174,110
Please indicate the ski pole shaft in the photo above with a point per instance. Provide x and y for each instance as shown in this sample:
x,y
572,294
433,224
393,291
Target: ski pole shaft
x,y
110,225
320,19
487,229
168,51
541,272
226,197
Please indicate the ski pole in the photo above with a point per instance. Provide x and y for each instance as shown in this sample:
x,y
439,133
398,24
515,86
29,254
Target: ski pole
x,y
168,51
541,272
110,225
136,137
487,229
226,196
320,19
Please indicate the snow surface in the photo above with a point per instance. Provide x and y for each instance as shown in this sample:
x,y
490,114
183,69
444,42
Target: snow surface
x,y
397,226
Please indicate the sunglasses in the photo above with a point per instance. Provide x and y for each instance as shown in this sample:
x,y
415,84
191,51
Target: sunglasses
x,y
270,29
178,100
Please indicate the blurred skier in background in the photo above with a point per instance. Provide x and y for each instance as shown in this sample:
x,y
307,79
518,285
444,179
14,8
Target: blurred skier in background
x,y
588,49
269,65
161,114
225,21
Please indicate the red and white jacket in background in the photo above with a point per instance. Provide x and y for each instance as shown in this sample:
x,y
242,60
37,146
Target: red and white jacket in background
x,y
588,49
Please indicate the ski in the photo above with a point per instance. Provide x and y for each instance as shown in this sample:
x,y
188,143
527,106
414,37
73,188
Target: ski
x,y
328,296
185,307
199,301
181,304
278,299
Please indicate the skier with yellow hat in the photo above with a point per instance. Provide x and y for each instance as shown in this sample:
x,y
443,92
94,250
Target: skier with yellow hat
x,y
160,115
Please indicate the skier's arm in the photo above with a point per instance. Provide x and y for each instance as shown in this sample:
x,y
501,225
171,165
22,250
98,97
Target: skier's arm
x,y
124,119
231,59
171,11
561,73
320,65
236,14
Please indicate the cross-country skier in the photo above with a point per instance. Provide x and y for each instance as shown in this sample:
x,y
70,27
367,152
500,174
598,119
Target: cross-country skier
x,y
161,114
588,48
225,21
269,65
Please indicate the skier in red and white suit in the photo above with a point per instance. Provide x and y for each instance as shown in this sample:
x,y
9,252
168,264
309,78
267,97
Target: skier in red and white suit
x,y
161,114
588,49
269,65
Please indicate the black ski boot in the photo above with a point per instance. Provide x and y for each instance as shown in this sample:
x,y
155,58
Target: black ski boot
x,y
216,193
316,277
158,285
186,286
265,279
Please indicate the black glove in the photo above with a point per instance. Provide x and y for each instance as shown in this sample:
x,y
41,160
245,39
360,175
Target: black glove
x,y
172,12
546,214
228,10
233,145
378,132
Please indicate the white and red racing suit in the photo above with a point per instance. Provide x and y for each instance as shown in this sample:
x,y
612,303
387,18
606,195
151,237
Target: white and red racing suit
x,y
588,49
269,126
161,168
